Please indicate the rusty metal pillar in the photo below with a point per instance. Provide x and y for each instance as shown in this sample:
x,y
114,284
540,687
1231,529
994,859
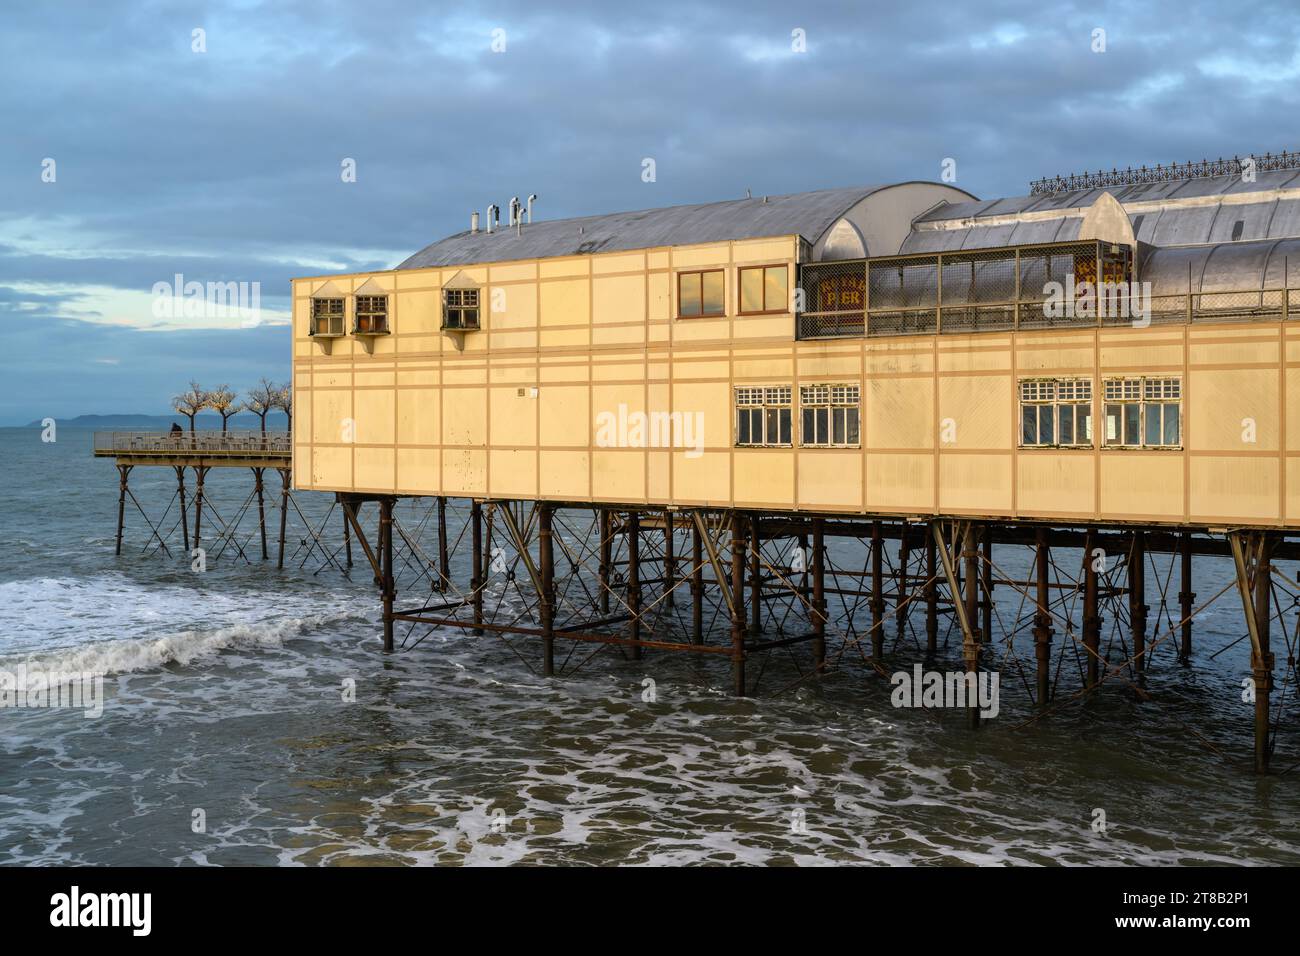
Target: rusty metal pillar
x,y
200,472
819,594
986,576
386,567
1091,619
670,561
1262,659
185,517
877,593
1137,605
931,600
261,509
972,641
546,599
606,556
476,557
737,604
632,527
1186,597
901,606
444,560
284,515
697,585
755,579
347,541
1042,619
122,472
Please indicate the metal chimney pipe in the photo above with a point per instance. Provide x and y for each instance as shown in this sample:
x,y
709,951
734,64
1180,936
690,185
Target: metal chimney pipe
x,y
493,216
530,207
473,222
514,210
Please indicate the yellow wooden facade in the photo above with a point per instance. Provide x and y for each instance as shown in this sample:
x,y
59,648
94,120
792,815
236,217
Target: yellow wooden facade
x,y
510,412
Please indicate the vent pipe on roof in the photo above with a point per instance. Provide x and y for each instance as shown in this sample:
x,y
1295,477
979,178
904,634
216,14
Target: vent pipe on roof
x,y
531,199
493,216
473,222
514,210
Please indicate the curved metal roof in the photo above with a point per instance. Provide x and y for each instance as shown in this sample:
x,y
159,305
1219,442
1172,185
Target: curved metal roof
x,y
1223,267
806,214
1028,232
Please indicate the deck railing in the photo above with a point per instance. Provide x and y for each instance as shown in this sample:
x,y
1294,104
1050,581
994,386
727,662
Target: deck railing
x,y
209,444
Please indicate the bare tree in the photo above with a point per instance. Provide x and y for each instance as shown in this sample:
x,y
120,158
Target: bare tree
x,y
225,403
284,401
263,398
190,403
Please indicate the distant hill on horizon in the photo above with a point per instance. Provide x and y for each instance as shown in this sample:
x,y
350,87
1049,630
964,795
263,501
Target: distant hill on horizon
x,y
207,421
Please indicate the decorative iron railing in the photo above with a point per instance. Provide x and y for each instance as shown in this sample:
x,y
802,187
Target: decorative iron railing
x,y
1129,176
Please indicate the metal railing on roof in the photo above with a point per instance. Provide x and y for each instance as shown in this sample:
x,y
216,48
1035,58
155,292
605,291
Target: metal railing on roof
x,y
1174,172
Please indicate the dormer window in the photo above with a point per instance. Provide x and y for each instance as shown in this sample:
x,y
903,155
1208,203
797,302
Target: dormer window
x,y
327,317
460,309
372,315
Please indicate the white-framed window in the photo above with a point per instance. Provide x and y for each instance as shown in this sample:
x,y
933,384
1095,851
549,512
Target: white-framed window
x,y
1056,412
327,316
1143,411
830,415
763,416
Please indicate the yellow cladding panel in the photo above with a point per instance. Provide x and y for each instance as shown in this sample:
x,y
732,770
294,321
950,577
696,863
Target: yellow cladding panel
x,y
464,417
899,413
331,468
372,418
764,476
418,279
566,419
513,306
702,479
301,465
975,484
659,288
1234,411
417,416
418,312
830,478
374,469
618,299
1142,484
564,474
603,265
566,302
464,471
619,474
514,418
1056,482
1243,488
512,272
900,482
706,405
970,353
512,473
332,412
418,471
766,251
716,255
975,411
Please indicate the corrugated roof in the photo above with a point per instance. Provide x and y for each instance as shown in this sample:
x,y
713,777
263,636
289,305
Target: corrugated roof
x,y
805,214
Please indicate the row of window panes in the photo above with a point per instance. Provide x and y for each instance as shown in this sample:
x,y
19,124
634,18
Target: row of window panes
x,y
830,415
763,289
1138,412
459,311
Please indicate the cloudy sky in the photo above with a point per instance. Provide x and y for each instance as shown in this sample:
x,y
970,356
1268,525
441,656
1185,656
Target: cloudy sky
x,y
224,164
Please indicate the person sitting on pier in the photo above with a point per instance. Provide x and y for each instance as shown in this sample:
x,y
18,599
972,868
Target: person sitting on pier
x,y
175,429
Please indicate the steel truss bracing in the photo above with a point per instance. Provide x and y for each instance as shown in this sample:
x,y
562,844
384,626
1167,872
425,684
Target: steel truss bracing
x,y
752,588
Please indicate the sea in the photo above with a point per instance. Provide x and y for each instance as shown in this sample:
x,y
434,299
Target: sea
x,y
250,717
